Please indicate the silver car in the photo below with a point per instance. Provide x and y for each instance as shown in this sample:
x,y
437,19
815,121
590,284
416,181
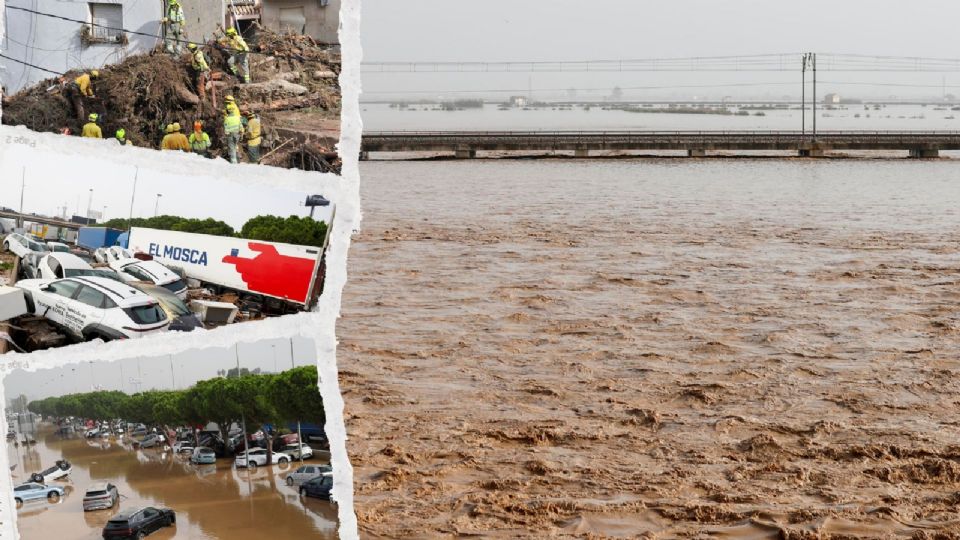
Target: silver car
x,y
308,472
100,496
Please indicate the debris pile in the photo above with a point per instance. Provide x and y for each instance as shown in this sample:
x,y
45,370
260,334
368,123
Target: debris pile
x,y
294,84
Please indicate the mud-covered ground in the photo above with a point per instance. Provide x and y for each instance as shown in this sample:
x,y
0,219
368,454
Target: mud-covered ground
x,y
734,349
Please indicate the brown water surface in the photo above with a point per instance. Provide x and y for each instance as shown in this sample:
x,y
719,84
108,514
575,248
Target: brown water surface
x,y
211,501
735,349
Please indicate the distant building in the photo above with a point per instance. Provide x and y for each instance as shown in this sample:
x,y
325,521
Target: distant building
x,y
518,101
319,19
831,99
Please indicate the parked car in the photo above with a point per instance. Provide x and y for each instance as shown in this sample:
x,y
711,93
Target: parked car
x,y
59,470
257,457
32,491
20,245
294,450
149,441
58,247
151,272
92,432
320,486
307,472
95,307
100,496
183,447
64,265
181,318
138,522
203,456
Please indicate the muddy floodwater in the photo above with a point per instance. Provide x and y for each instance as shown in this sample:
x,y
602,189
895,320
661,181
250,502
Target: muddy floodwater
x,y
742,349
211,501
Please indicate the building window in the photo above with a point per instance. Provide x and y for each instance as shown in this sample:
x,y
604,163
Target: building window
x,y
107,22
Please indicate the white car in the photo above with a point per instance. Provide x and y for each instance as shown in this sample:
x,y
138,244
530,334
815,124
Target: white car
x,y
151,272
294,450
95,307
308,472
20,245
112,254
257,457
58,265
58,247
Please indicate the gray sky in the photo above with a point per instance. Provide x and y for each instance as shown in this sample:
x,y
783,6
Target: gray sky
x,y
154,373
540,30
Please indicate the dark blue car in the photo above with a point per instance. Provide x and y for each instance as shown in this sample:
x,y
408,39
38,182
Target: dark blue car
x,y
320,487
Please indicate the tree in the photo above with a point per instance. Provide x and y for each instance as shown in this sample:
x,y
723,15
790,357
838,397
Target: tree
x,y
303,231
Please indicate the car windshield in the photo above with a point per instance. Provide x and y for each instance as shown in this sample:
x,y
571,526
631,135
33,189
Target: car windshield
x,y
170,301
118,524
36,246
96,493
175,286
95,272
63,249
150,314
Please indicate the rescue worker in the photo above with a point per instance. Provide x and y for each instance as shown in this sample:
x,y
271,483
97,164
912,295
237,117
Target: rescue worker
x,y
174,21
237,48
80,88
91,129
232,127
121,138
174,140
253,137
199,140
201,68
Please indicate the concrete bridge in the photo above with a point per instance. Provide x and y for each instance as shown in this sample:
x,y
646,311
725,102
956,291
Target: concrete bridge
x,y
466,144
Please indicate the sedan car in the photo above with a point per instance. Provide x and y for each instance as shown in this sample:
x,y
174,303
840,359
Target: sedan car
x,y
257,457
151,272
203,456
94,307
100,496
20,245
63,265
181,318
320,487
138,522
294,451
307,472
32,491
149,441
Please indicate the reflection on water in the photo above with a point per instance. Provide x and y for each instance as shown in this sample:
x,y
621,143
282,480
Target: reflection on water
x,y
211,501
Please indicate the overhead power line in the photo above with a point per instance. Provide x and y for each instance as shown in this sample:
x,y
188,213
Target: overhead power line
x,y
30,65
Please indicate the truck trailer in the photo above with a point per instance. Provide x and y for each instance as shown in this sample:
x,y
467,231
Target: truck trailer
x,y
281,277
97,237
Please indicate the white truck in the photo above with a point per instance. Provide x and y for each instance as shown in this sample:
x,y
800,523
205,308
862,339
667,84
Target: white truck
x,y
282,277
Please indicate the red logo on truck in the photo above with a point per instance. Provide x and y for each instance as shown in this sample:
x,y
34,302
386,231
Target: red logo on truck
x,y
274,274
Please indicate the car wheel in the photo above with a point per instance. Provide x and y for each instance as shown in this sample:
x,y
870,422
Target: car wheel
x,y
252,464
6,246
19,502
289,481
53,496
282,460
140,535
303,492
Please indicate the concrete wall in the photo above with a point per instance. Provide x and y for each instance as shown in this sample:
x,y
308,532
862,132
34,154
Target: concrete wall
x,y
322,22
202,18
55,44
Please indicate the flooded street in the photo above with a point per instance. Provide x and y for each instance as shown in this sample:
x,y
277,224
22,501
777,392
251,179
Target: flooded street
x,y
210,501
733,348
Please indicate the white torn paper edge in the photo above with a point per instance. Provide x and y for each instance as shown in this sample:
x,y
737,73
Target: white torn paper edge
x,y
319,325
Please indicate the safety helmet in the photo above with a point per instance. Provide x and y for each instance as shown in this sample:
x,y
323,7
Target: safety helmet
x,y
174,2
231,31
228,99
176,126
94,73
93,117
121,133
250,114
197,125
169,128
192,46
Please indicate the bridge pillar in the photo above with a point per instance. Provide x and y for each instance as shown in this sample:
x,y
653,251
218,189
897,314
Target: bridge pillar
x,y
581,152
364,155
465,153
924,153
811,152
696,152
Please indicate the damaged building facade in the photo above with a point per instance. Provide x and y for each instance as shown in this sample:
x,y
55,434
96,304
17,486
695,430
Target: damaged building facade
x,y
50,43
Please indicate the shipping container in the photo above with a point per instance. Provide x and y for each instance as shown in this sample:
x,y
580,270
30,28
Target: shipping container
x,y
97,237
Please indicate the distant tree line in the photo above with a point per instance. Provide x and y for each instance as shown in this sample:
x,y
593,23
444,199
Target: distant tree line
x,y
302,231
290,396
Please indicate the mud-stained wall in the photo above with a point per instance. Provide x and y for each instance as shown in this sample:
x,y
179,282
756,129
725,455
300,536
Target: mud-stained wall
x,y
320,21
55,44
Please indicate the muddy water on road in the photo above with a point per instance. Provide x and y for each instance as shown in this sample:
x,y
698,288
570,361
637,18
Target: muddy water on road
x,y
211,501
737,348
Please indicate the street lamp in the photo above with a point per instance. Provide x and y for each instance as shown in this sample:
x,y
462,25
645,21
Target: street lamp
x,y
23,185
156,207
89,203
314,201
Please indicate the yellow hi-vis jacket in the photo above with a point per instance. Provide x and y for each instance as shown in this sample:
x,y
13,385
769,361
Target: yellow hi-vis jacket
x,y
90,129
199,142
83,82
236,43
200,61
175,141
253,132
232,124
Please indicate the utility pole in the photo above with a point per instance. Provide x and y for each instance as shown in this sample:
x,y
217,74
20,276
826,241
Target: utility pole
x,y
156,207
243,418
133,195
89,203
803,96
23,185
